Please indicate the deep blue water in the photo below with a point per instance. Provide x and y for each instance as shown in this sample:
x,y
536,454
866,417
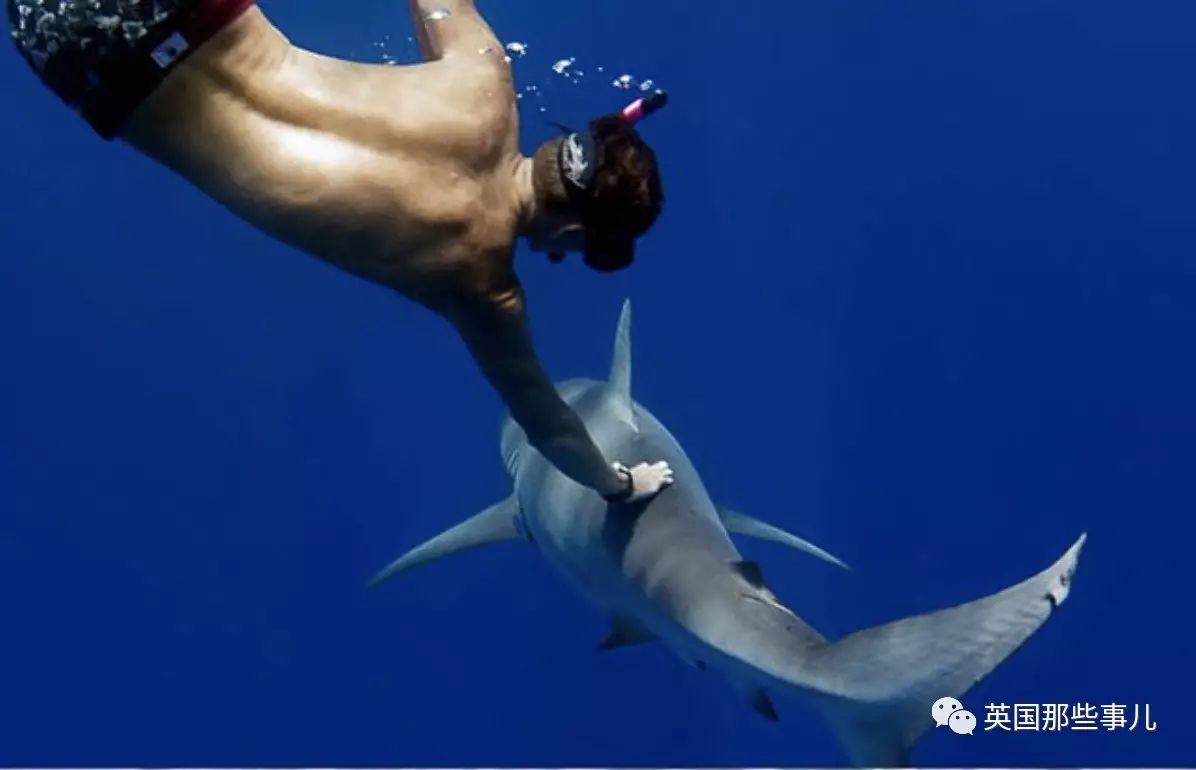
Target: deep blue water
x,y
925,293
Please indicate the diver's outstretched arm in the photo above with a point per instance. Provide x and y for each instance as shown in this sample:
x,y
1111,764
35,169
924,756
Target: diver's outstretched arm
x,y
447,27
497,334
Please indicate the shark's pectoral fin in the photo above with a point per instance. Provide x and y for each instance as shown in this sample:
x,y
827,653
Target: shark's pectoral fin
x,y
493,525
740,524
624,633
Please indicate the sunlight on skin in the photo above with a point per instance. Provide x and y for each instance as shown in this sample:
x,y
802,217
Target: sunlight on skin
x,y
316,147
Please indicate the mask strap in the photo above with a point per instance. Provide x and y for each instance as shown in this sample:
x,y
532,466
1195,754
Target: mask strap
x,y
578,162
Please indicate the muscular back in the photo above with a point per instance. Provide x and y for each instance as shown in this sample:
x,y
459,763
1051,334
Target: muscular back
x,y
407,176
402,175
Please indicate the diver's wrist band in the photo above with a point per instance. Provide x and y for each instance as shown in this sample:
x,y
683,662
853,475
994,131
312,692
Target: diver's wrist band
x,y
624,495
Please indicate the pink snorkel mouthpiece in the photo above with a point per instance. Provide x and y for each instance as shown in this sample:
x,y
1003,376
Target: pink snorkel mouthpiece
x,y
642,108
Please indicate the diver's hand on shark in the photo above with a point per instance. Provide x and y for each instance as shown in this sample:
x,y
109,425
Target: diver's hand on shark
x,y
644,480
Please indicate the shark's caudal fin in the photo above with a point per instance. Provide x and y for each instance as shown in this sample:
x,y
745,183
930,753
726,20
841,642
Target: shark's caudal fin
x,y
882,681
493,525
620,367
742,524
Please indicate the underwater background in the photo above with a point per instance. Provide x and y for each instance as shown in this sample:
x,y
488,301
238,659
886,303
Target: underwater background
x,y
924,293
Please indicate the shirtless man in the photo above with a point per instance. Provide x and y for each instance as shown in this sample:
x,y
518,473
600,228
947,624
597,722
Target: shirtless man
x,y
410,177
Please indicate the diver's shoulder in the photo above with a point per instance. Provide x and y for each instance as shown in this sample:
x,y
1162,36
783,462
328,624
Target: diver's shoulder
x,y
482,91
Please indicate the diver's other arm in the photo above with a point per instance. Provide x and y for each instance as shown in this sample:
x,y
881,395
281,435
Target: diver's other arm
x,y
447,27
498,336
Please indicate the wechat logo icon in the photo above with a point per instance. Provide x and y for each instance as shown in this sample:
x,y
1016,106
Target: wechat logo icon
x,y
950,712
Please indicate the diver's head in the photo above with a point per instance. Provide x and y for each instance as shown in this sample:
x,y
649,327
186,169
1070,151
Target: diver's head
x,y
597,191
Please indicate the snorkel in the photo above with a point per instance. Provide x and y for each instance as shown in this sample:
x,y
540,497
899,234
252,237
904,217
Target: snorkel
x,y
642,108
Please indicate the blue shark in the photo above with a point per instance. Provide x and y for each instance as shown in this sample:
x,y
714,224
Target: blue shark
x,y
667,570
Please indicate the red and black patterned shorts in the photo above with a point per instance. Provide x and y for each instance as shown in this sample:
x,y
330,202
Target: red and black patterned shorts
x,y
104,57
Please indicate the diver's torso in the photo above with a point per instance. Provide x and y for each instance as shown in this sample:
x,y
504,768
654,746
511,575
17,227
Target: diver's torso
x,y
403,175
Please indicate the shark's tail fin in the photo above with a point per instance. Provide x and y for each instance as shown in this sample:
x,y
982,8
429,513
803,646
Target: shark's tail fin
x,y
881,683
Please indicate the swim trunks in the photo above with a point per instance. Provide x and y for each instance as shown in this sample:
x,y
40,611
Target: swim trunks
x,y
105,57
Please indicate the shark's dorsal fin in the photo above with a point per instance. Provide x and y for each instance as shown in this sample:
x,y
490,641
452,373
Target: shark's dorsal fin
x,y
495,524
625,632
741,524
620,367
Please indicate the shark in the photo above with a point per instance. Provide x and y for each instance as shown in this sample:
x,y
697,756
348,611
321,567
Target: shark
x,y
667,570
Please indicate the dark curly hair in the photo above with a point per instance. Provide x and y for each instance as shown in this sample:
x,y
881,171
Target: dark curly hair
x,y
621,202
627,195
